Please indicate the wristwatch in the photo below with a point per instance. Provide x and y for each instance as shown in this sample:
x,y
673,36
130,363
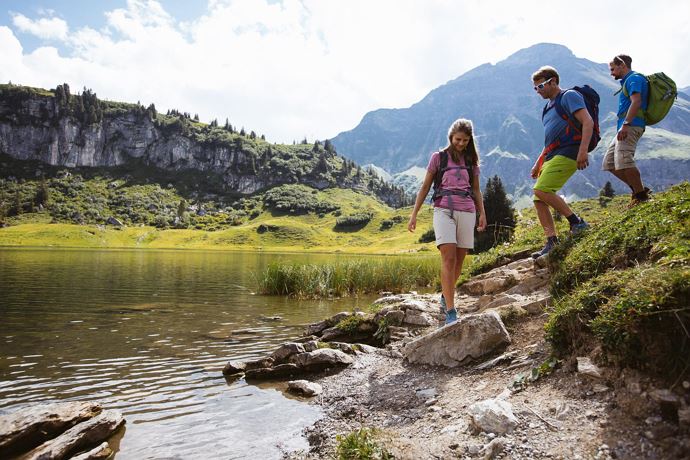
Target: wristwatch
x,y
626,123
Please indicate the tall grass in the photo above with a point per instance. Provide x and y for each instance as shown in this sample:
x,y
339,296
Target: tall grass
x,y
349,277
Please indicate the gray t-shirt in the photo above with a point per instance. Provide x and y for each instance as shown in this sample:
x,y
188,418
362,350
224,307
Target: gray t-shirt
x,y
555,126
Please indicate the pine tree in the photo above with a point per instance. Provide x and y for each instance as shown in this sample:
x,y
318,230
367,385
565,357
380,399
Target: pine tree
x,y
42,194
500,216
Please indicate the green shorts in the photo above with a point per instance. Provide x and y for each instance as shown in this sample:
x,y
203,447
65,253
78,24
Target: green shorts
x,y
554,174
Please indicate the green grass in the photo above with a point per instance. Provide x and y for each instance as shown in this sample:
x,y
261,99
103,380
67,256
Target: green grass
x,y
361,445
351,277
624,286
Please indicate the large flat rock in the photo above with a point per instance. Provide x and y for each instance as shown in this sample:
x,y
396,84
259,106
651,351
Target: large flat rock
x,y
468,339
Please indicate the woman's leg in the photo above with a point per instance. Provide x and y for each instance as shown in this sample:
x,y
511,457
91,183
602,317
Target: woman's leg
x,y
460,254
448,279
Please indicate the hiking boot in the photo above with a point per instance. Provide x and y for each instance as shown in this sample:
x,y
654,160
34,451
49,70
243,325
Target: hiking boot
x,y
550,243
442,309
639,197
579,227
451,316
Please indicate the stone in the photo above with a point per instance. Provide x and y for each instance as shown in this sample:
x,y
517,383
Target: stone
x,y
585,366
411,304
100,452
684,417
234,367
394,317
304,387
536,305
113,221
323,357
27,428
493,449
468,339
286,350
281,370
260,363
418,319
316,328
79,437
493,416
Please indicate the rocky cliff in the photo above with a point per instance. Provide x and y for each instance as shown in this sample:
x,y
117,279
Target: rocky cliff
x,y
82,131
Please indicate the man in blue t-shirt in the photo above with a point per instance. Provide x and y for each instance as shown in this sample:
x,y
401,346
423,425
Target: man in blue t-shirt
x,y
632,103
564,152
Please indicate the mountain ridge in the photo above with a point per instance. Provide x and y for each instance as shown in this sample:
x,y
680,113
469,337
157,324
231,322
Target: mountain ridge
x,y
507,116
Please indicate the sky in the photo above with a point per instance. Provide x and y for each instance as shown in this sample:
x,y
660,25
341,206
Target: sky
x,y
295,69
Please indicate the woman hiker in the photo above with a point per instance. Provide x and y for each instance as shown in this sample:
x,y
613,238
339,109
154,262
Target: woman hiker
x,y
454,171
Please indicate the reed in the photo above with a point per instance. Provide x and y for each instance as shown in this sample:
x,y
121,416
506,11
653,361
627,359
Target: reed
x,y
348,277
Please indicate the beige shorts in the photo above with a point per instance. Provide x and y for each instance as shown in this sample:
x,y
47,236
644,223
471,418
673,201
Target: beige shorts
x,y
620,154
458,229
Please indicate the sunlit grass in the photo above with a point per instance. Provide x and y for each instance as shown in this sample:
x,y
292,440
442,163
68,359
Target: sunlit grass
x,y
350,277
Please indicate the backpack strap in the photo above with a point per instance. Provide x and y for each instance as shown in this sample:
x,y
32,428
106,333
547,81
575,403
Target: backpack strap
x,y
443,168
640,112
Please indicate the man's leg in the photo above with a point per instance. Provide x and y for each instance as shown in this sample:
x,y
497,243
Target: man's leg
x,y
553,200
625,167
632,178
545,217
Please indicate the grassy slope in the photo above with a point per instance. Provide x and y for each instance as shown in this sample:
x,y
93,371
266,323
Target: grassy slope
x,y
621,287
289,233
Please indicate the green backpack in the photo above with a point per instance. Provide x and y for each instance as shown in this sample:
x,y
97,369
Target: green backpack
x,y
662,95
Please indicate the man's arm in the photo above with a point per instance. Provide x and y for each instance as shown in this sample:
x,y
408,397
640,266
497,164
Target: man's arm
x,y
635,104
587,128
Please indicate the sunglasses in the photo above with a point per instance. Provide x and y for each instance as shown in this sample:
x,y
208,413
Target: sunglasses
x,y
541,85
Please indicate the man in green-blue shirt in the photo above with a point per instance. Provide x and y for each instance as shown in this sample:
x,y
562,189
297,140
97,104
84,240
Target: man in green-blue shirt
x,y
632,103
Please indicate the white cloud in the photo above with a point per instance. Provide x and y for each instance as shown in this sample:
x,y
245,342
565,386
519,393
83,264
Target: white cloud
x,y
45,28
312,68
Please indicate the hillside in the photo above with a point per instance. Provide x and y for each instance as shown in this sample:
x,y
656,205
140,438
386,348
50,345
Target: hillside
x,y
113,208
54,128
507,115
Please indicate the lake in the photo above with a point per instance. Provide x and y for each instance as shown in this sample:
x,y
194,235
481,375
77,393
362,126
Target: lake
x,y
148,332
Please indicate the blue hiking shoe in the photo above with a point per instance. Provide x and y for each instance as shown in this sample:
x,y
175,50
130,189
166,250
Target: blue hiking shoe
x,y
577,228
451,316
550,243
442,309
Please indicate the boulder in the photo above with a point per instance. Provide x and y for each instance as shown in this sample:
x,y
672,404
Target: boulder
x,y
260,363
394,317
418,319
286,350
279,371
316,328
234,367
304,388
468,339
80,437
493,416
27,428
322,358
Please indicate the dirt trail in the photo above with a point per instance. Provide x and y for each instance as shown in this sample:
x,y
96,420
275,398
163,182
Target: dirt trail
x,y
421,412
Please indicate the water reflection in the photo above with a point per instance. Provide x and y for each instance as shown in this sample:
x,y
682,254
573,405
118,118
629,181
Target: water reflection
x,y
147,332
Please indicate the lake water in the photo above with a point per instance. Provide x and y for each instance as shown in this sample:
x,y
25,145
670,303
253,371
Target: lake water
x,y
148,333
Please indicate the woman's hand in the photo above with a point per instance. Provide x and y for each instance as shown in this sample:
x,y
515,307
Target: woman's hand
x,y
482,223
412,224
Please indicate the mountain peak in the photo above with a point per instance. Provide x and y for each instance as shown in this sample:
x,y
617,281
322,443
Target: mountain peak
x,y
536,52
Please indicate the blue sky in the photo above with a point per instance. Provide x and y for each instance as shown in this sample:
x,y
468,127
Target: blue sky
x,y
291,69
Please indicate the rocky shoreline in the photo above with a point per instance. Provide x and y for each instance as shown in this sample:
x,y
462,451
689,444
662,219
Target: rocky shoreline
x,y
484,387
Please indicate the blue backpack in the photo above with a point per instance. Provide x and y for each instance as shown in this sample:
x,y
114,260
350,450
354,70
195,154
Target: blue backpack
x,y
573,133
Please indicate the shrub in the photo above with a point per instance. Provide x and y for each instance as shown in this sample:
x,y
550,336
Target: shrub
x,y
296,199
428,236
353,220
